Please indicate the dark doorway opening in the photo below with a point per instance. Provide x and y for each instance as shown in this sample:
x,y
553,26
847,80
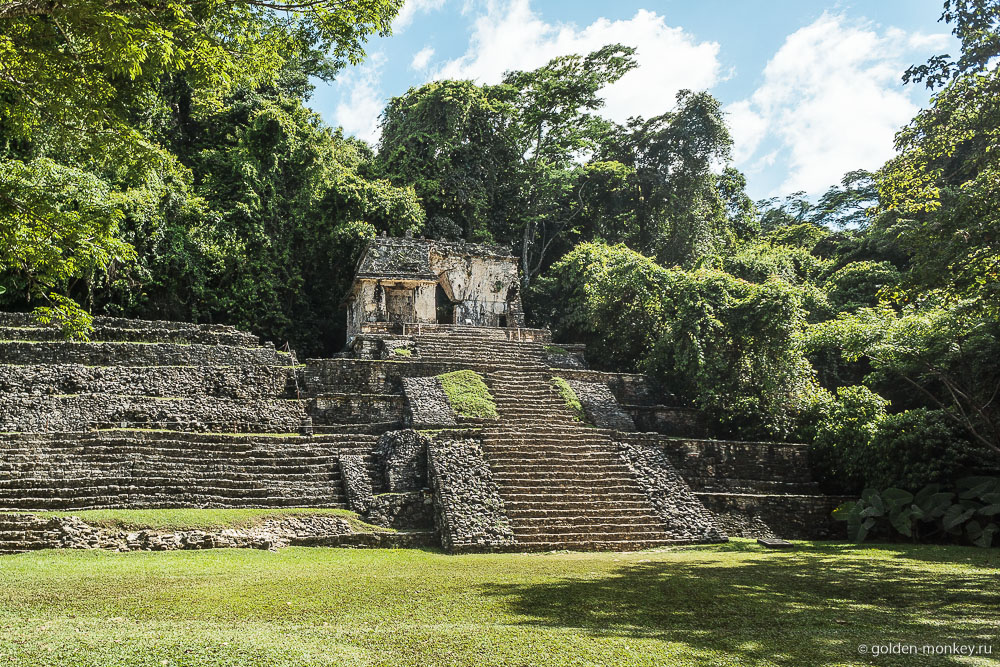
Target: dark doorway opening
x,y
502,321
445,308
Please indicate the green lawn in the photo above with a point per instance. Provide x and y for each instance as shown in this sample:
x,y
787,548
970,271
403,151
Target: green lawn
x,y
730,604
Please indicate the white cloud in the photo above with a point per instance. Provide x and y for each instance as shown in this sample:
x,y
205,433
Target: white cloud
x,y
358,115
410,9
831,100
422,58
513,37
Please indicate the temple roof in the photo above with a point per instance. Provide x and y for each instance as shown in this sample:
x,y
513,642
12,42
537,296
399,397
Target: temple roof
x,y
409,259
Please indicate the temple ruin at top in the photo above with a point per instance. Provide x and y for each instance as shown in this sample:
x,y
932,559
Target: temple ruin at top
x,y
419,281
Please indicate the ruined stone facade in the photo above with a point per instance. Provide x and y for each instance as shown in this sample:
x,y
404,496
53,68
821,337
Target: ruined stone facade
x,y
165,414
418,281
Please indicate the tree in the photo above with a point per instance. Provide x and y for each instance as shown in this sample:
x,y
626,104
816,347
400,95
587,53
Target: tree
x,y
87,93
679,214
945,353
553,125
450,141
941,195
725,344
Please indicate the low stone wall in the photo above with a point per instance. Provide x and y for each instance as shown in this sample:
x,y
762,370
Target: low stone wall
x,y
426,403
353,408
374,376
243,382
793,517
740,467
684,515
27,532
603,411
469,512
138,354
123,469
82,412
667,420
628,388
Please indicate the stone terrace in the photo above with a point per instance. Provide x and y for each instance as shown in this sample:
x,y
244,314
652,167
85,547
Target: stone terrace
x,y
165,414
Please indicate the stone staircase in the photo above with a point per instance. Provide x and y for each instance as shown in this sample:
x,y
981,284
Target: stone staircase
x,y
154,469
563,485
470,349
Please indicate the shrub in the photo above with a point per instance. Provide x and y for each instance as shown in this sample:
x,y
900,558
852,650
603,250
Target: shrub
x,y
570,397
840,450
468,394
915,448
966,512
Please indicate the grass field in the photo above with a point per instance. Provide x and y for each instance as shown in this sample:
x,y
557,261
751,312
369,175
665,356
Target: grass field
x,y
730,604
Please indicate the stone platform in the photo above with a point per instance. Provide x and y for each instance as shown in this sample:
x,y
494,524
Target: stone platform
x,y
163,414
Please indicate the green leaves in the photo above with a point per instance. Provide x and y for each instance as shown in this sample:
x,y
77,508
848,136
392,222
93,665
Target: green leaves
x,y
911,514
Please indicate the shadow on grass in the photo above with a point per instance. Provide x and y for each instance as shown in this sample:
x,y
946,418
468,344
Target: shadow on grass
x,y
812,606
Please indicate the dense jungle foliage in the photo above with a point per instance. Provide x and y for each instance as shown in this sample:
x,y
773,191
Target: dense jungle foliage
x,y
161,161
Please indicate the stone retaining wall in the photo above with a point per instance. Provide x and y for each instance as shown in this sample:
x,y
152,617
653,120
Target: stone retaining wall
x,y
81,412
138,354
426,403
244,382
27,532
684,515
603,411
628,388
469,512
730,466
370,376
793,517
352,408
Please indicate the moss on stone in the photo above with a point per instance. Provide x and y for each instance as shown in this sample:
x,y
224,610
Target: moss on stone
x,y
468,394
571,399
555,349
402,352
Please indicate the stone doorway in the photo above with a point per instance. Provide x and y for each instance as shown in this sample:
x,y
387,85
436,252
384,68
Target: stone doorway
x,y
444,306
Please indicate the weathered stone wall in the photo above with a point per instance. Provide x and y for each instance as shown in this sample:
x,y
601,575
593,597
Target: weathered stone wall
x,y
684,515
27,532
468,510
23,326
603,411
322,376
81,412
740,467
356,408
242,382
628,388
403,459
793,517
427,404
357,482
138,354
668,420
154,469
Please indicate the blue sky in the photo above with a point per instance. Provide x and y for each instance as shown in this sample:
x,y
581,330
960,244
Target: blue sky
x,y
811,89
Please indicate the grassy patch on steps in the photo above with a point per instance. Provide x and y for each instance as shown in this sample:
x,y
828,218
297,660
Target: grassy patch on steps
x,y
735,604
571,399
201,519
468,394
555,350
